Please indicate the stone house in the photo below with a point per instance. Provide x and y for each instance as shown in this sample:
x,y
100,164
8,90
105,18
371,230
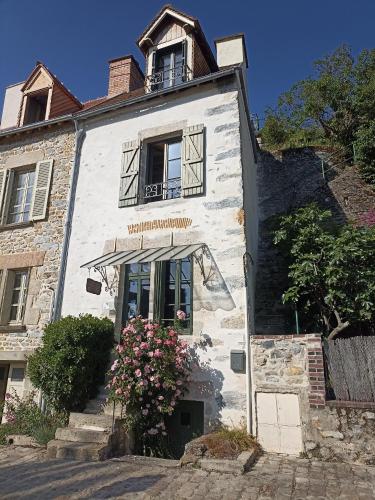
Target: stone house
x,y
165,208
36,156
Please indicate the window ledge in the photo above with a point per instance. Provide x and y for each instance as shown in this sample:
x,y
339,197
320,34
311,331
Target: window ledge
x,y
18,225
12,328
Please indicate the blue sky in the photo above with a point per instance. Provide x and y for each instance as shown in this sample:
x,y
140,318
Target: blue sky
x,y
76,38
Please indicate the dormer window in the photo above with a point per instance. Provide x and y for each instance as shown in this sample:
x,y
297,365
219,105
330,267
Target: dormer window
x,y
169,67
36,107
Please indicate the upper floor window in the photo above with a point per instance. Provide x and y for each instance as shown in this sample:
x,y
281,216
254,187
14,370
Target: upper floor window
x,y
163,176
36,107
171,168
21,196
169,67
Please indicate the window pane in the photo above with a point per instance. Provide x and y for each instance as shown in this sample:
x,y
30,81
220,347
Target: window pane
x,y
146,268
132,298
185,294
22,191
13,313
186,269
156,163
174,169
18,374
174,150
145,298
133,268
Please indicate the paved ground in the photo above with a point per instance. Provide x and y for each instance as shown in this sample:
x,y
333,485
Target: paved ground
x,y
27,474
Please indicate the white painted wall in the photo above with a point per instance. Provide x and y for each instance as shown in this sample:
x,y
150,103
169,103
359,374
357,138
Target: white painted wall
x,y
12,105
97,219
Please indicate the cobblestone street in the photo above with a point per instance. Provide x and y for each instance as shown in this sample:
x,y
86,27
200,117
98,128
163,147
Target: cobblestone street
x,y
25,473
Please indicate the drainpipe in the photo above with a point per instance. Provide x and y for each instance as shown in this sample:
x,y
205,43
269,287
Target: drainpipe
x,y
79,136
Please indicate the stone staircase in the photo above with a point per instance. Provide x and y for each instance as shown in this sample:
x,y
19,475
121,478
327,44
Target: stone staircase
x,y
94,435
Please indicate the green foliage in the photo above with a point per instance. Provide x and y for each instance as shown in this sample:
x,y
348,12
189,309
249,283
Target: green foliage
x,y
331,269
72,362
365,151
24,416
332,107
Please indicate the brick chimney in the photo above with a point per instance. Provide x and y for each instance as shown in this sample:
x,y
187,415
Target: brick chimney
x,y
124,75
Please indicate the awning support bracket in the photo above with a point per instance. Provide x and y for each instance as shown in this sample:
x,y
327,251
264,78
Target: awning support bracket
x,y
110,286
199,260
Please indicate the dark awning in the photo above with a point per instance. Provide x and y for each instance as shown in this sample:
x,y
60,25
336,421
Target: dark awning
x,y
144,255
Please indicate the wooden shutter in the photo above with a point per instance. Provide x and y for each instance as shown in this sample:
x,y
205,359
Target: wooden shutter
x,y
8,285
129,174
193,160
3,179
42,183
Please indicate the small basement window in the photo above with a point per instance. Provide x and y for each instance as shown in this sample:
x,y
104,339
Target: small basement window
x,y
18,374
36,108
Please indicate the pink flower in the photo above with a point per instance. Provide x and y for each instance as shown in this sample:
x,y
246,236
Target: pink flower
x,y
138,373
151,354
181,315
158,353
144,345
118,391
179,382
120,348
158,341
114,366
160,398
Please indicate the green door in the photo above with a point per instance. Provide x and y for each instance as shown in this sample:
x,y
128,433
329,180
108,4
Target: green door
x,y
186,423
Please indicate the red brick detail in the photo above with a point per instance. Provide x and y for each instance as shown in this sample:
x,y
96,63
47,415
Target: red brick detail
x,y
317,393
124,76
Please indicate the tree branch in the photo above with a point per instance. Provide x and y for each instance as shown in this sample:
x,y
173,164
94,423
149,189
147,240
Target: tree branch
x,y
340,326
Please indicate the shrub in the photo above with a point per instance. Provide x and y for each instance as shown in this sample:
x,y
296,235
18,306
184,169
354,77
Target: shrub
x,y
228,442
25,417
71,364
148,378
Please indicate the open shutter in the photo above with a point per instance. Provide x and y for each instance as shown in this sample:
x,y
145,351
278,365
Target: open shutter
x,y
193,160
6,299
3,179
184,71
43,175
129,174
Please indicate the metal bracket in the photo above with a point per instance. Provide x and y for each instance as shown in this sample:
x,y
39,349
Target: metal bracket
x,y
110,287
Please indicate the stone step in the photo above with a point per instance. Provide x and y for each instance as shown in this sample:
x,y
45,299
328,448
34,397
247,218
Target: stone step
x,y
78,451
90,421
82,435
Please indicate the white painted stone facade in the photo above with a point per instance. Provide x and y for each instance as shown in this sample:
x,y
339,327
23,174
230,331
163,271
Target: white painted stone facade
x,y
219,317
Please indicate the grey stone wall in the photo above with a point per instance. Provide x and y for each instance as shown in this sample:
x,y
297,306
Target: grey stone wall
x,y
331,430
288,180
43,236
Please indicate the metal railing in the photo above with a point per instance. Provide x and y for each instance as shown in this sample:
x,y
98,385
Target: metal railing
x,y
163,190
164,79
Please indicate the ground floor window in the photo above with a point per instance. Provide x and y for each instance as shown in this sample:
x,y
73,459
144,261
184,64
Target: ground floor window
x,y
171,290
13,289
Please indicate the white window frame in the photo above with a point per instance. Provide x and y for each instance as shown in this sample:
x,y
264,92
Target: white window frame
x,y
7,289
12,191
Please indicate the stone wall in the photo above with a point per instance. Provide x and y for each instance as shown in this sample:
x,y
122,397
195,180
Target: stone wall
x,y
288,180
330,430
38,243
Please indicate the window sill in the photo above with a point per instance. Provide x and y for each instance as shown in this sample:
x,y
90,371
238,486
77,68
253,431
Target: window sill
x,y
12,328
160,203
18,225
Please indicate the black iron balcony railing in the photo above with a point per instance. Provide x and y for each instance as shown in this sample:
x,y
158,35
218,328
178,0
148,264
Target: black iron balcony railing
x,y
163,190
164,79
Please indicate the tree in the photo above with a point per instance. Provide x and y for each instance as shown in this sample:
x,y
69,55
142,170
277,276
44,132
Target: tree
x,y
331,268
331,106
71,363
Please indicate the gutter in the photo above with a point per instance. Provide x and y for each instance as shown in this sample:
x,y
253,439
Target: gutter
x,y
79,137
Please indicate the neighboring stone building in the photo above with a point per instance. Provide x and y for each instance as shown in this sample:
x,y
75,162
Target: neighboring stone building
x,y
166,207
36,157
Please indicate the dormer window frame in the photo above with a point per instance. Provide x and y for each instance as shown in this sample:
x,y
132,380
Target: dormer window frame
x,y
187,43
27,96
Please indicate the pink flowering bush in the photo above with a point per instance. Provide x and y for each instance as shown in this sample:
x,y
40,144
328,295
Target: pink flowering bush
x,y
149,376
